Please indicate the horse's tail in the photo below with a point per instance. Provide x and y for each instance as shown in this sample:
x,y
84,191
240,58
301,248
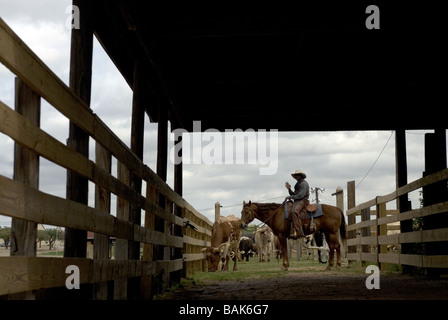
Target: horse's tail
x,y
342,228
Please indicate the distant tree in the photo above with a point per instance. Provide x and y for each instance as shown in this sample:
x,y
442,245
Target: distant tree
x,y
49,236
5,234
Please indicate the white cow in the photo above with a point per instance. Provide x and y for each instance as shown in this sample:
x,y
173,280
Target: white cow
x,y
264,239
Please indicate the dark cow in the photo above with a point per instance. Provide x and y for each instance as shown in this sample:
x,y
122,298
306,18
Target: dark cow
x,y
226,233
246,247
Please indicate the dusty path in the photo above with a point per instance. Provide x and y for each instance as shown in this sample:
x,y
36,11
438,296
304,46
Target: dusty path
x,y
318,286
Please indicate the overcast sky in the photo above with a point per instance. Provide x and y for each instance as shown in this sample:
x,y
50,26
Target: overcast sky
x,y
330,159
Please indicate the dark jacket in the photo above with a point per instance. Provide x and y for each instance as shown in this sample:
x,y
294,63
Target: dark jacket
x,y
301,190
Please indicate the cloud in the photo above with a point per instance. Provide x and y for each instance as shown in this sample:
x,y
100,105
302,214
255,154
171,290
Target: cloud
x,y
29,12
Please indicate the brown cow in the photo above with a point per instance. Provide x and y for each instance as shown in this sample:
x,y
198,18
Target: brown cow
x,y
226,233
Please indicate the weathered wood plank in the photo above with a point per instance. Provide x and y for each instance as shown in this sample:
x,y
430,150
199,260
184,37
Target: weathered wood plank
x,y
18,274
196,242
419,183
20,201
193,256
30,136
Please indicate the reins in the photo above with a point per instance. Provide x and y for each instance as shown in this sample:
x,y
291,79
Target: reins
x,y
275,212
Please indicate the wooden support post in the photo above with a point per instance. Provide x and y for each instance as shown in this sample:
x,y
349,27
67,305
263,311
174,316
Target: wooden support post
x,y
162,158
435,160
137,139
102,202
122,245
26,170
178,188
401,178
80,83
162,143
162,152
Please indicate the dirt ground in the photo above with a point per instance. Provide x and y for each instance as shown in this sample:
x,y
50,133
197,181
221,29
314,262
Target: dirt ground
x,y
329,285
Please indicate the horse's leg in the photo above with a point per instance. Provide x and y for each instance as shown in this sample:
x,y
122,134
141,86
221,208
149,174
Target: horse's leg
x,y
338,250
330,244
333,243
284,248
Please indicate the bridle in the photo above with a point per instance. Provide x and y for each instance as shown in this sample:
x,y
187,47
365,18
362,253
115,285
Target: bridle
x,y
270,217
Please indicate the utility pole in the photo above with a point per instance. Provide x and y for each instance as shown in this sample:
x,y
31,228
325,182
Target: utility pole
x,y
339,198
316,190
217,210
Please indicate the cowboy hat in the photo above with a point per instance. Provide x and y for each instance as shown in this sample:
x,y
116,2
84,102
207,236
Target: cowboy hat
x,y
299,172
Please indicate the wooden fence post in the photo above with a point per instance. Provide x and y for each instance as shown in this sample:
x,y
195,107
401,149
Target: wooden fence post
x,y
381,231
351,218
340,204
365,232
217,210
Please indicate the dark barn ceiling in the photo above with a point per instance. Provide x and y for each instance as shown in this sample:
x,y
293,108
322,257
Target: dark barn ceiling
x,y
312,66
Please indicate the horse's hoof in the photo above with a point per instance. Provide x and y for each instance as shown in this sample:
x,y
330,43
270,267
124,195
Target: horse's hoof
x,y
328,268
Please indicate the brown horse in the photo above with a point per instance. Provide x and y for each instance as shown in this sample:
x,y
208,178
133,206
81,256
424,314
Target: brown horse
x,y
273,214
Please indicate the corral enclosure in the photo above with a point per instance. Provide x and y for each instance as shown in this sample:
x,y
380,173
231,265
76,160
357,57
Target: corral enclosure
x,y
171,246
228,71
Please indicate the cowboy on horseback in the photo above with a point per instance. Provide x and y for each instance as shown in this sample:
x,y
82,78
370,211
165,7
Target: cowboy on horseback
x,y
300,197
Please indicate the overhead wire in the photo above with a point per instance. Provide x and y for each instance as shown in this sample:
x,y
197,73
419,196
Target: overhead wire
x,y
376,160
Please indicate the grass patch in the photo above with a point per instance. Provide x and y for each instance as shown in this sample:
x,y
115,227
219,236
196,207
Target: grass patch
x,y
256,270
51,253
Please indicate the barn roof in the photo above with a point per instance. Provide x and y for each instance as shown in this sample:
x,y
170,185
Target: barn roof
x,y
312,66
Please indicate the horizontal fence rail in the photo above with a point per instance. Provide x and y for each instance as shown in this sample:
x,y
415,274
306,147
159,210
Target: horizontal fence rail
x,y
185,230
371,241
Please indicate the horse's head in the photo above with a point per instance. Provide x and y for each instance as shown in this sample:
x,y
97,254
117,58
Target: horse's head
x,y
247,214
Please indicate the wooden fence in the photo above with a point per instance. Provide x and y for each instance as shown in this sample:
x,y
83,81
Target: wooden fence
x,y
179,241
364,245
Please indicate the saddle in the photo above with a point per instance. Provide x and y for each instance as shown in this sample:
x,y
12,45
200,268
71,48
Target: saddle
x,y
312,207
311,211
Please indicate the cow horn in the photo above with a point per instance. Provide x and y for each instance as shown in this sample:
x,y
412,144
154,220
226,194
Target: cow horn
x,y
221,246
